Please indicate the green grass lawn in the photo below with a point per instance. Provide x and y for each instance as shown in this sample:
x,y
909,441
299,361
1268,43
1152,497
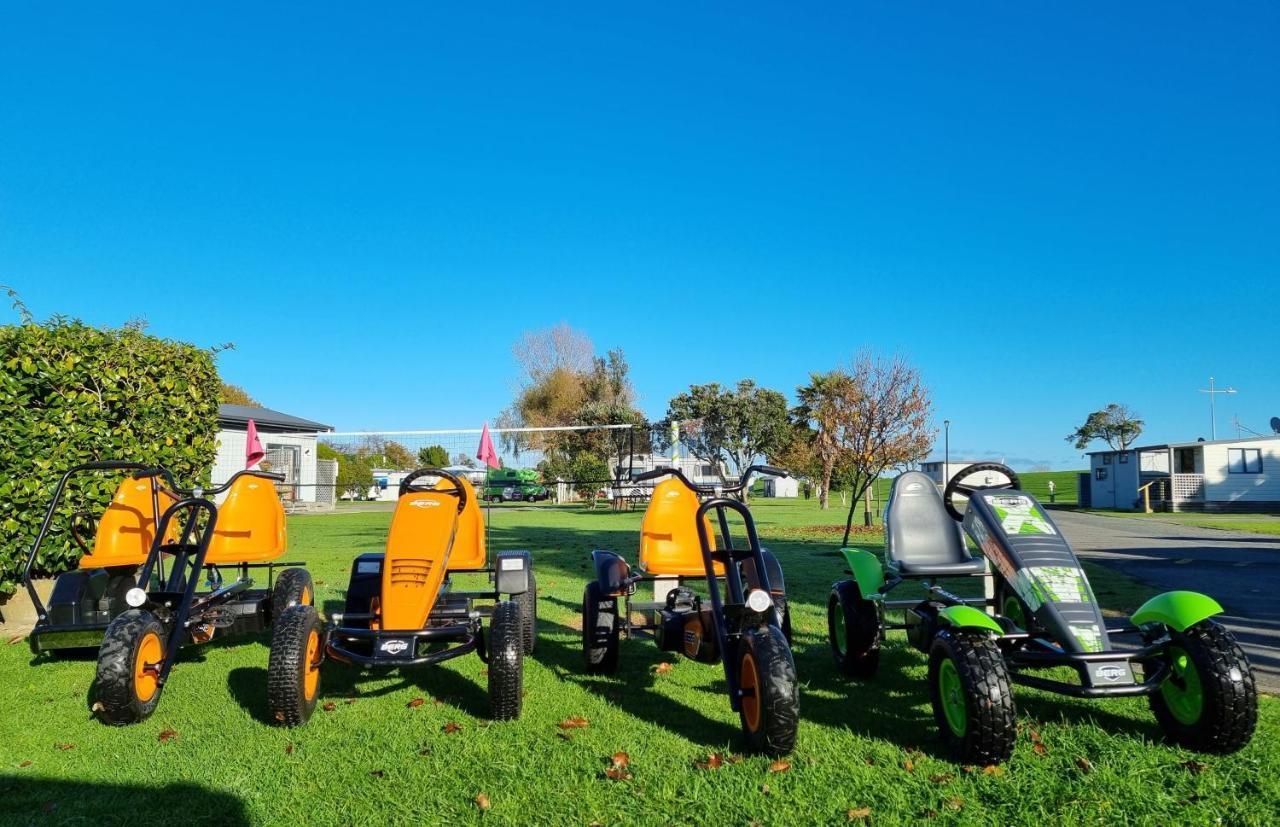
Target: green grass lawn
x,y
209,754
1253,523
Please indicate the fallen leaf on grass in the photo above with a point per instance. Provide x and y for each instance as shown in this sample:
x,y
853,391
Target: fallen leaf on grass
x,y
617,774
1038,748
15,639
764,789
329,706
97,707
482,801
415,703
1194,767
734,759
1085,765
941,778
452,727
857,814
576,722
65,746
621,760
714,762
909,765
955,802
168,735
663,668
780,766
288,749
993,769
26,763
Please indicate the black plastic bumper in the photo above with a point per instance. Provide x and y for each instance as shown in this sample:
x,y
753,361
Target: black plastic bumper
x,y
387,647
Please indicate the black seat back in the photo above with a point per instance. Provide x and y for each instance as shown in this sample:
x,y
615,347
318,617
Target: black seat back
x,y
918,528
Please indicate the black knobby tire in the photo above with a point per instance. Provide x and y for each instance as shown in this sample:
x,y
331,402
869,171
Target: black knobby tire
x,y
117,589
599,613
985,692
117,690
771,730
289,665
784,622
860,623
293,588
1229,697
528,603
506,662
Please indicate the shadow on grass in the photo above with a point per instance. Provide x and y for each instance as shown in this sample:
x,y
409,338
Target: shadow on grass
x,y
44,800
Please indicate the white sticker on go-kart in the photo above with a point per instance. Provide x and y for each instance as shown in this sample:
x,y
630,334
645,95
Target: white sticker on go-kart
x,y
1019,515
1053,584
1088,635
512,563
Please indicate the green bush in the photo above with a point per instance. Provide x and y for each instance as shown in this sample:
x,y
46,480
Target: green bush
x,y
71,393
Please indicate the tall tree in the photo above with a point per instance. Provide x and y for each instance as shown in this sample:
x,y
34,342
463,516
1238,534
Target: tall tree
x,y
236,395
1116,425
721,425
395,456
433,456
825,407
884,422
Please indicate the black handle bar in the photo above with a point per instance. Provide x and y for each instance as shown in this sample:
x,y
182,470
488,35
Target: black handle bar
x,y
768,470
458,490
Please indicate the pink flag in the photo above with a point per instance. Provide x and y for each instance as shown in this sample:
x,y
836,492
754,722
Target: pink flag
x,y
485,453
253,452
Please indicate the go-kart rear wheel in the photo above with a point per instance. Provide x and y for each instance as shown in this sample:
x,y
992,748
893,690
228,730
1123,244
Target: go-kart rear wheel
x,y
528,603
784,617
770,705
853,629
972,697
506,662
293,668
293,588
129,660
1011,607
1209,702
599,622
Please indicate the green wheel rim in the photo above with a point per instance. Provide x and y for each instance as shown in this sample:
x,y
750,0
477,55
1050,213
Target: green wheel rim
x,y
951,691
837,623
1182,691
1012,609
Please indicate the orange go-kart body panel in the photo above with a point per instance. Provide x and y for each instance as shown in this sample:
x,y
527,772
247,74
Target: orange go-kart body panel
x,y
127,527
419,556
669,533
251,524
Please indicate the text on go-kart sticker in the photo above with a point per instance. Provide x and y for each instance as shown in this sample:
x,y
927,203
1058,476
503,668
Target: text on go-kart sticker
x,y
1088,634
1019,515
1056,584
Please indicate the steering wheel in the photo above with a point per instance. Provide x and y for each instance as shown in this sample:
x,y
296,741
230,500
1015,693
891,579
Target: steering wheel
x,y
457,491
954,486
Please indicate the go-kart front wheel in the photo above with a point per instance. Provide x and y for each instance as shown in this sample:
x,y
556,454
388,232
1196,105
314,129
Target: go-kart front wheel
x,y
293,668
1209,702
770,703
599,630
506,662
853,629
129,660
972,697
293,588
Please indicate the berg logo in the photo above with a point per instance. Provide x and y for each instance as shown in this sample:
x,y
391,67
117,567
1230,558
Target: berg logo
x,y
1110,673
394,646
424,503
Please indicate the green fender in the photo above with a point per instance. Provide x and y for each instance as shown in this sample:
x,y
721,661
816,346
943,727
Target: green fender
x,y
1177,610
967,617
866,570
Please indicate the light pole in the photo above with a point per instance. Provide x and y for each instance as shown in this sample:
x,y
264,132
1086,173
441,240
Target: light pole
x,y
946,451
1213,414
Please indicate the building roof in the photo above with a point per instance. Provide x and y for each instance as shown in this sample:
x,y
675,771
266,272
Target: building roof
x,y
1167,445
237,417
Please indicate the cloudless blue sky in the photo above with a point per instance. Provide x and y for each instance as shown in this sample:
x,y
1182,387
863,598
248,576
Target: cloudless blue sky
x,y
1046,207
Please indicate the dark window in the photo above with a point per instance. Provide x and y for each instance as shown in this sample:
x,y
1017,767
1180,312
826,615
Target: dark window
x,y
1100,473
1106,459
1244,461
1124,457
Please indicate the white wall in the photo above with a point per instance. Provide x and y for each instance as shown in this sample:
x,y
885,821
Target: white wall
x,y
230,458
1221,486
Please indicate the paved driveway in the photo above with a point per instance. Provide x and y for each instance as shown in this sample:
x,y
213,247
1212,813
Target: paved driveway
x,y
1241,571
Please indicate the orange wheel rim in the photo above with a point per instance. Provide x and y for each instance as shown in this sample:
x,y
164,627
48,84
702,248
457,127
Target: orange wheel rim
x,y
306,595
311,669
146,667
749,681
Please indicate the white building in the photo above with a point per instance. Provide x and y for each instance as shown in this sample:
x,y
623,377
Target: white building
x,y
781,487
290,443
941,471
1221,475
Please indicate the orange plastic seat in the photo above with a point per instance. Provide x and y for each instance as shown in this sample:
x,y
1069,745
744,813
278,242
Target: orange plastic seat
x,y
419,554
127,527
669,533
251,524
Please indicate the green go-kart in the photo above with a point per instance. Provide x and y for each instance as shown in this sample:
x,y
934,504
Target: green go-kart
x,y
1043,615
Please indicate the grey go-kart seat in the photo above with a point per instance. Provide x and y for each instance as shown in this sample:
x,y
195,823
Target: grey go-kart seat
x,y
921,538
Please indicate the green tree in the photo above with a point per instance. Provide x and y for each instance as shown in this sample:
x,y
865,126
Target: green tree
x,y
1116,425
355,475
589,473
823,410
433,456
236,395
719,425
395,456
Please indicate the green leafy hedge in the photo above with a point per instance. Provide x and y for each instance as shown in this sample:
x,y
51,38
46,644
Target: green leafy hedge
x,y
71,393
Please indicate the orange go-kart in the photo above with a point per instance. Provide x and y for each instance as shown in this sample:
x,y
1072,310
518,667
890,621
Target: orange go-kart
x,y
400,609
136,594
741,620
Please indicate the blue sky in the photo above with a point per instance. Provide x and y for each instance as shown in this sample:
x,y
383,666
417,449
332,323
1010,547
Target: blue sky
x,y
1046,207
